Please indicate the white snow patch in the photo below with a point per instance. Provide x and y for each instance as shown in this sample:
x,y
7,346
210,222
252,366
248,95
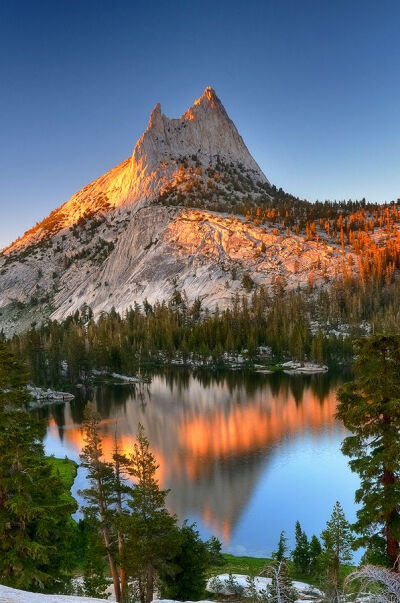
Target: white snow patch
x,y
8,595
261,583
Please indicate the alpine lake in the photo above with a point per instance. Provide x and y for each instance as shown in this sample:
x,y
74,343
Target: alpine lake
x,y
244,454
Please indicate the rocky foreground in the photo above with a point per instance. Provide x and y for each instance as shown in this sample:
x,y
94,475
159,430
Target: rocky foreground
x,y
12,595
218,585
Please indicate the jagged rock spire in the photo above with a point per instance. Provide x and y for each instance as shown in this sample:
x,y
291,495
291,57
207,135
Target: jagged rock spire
x,y
204,130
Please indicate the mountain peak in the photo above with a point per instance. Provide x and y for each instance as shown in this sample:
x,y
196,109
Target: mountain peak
x,y
155,116
204,132
209,95
208,102
146,227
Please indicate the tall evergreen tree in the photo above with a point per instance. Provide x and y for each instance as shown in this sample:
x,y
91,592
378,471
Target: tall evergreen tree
x,y
338,539
152,538
281,553
301,552
369,407
315,550
100,496
36,528
120,491
191,562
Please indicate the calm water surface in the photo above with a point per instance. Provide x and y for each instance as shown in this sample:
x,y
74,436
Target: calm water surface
x,y
245,455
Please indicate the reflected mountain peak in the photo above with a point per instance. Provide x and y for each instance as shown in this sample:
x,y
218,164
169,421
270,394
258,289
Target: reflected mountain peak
x,y
215,438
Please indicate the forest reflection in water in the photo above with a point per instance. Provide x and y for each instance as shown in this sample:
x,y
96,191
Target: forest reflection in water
x,y
245,455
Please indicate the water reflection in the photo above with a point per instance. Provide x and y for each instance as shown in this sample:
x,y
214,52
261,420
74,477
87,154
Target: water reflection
x,y
219,439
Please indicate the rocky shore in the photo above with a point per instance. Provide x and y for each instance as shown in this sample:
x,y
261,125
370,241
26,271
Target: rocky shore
x,y
47,396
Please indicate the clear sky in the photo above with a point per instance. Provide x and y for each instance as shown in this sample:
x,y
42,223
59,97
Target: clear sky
x,y
312,85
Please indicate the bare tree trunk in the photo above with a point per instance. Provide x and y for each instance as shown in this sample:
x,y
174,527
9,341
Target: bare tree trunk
x,y
142,589
392,544
123,574
107,542
113,566
392,516
149,584
115,578
370,576
278,584
336,569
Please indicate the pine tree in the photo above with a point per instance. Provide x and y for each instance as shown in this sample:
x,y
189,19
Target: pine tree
x,y
152,538
214,551
281,553
36,529
301,552
191,562
100,496
369,407
315,550
120,491
338,539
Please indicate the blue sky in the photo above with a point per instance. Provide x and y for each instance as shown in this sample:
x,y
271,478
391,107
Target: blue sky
x,y
312,85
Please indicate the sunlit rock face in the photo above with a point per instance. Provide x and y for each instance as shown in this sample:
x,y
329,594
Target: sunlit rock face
x,y
204,131
161,221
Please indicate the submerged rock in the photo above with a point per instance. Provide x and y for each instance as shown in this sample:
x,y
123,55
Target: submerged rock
x,y
124,378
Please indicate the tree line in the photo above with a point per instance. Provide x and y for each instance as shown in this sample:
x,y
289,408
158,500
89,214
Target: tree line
x,y
318,325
